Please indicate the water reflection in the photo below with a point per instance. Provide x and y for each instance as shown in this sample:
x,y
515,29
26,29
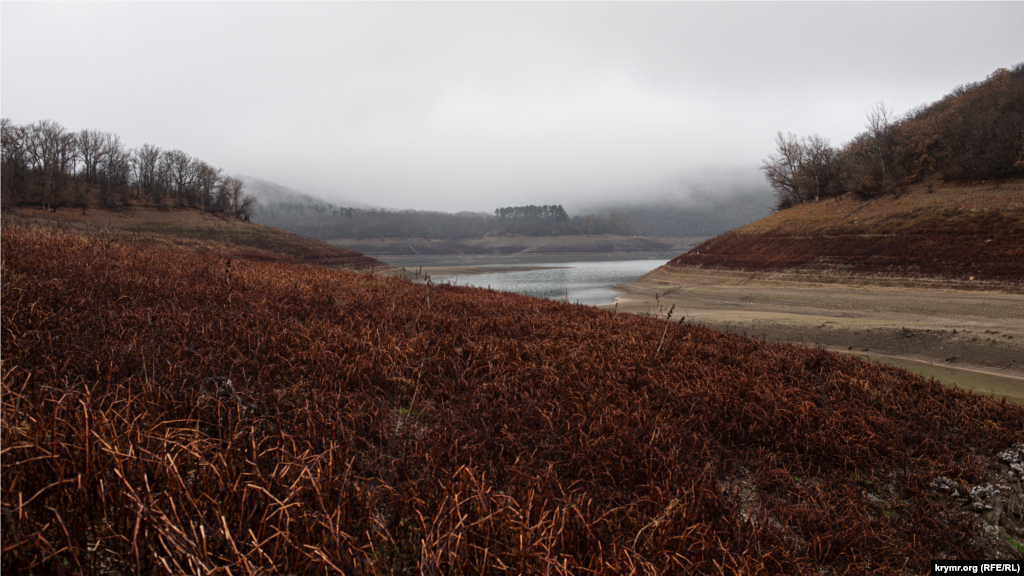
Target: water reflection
x,y
577,282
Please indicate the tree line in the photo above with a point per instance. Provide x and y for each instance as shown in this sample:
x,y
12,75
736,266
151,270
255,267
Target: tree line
x,y
547,211
46,164
326,221
974,132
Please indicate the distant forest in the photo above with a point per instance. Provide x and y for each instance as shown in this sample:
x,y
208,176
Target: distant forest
x,y
45,164
975,132
321,220
326,221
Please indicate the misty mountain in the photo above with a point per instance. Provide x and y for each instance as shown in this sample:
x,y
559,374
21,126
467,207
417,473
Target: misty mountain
x,y
703,203
697,217
270,193
663,218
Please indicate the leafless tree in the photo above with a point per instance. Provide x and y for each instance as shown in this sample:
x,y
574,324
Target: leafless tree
x,y
817,174
242,204
222,196
14,172
881,127
52,153
90,152
147,168
182,174
780,170
114,169
207,177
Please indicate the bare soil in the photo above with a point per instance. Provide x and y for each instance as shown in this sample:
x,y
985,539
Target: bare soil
x,y
981,331
956,232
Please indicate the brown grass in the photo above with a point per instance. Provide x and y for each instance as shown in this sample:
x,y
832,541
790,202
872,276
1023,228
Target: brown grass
x,y
191,230
379,426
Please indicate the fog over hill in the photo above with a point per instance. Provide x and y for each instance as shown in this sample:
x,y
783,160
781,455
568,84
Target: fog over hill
x,y
715,202
271,193
708,202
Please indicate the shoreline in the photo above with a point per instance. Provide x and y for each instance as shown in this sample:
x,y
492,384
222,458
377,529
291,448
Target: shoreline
x,y
476,270
968,339
973,339
412,253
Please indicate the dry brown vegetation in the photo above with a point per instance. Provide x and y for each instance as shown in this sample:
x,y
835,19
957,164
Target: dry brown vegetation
x,y
972,133
190,230
950,232
378,426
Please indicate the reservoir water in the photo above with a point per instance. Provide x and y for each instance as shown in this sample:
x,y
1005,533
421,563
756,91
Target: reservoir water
x,y
577,282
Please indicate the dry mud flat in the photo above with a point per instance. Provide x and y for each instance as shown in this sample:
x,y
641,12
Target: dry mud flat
x,y
973,338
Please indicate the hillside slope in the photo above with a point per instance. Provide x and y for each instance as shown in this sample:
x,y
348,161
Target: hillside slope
x,y
958,233
190,229
161,413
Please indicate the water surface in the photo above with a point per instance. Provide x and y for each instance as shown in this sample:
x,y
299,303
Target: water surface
x,y
576,282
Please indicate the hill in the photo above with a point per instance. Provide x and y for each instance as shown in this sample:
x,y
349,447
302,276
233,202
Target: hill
x,y
907,243
190,229
270,193
969,234
935,194
712,204
972,134
163,413
932,279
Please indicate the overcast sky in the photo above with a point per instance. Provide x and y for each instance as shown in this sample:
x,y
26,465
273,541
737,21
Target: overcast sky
x,y
468,106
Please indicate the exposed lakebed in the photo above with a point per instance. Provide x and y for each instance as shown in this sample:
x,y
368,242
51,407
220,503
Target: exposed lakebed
x,y
591,283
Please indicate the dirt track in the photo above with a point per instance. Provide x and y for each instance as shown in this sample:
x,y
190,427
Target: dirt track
x,y
960,329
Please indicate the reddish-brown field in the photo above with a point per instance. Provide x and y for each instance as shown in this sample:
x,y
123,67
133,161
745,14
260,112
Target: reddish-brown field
x,y
190,230
378,426
952,232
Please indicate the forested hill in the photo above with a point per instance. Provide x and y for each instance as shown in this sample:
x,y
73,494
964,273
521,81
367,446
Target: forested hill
x,y
49,166
975,132
666,218
937,193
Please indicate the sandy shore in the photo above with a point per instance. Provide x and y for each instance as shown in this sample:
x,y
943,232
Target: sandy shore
x,y
959,335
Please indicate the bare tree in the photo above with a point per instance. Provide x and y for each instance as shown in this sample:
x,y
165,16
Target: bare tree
x,y
817,174
114,169
881,124
223,198
90,149
14,172
242,204
147,167
52,153
780,170
182,175
206,177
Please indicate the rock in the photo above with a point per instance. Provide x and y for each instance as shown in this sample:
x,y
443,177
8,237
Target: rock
x,y
220,387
